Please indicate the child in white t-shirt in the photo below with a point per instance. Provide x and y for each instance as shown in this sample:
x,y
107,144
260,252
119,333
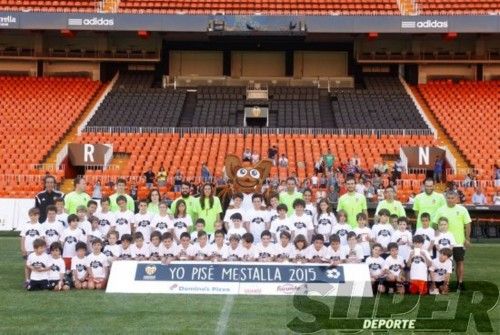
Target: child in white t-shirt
x,y
98,267
265,251
342,228
140,249
51,228
376,264
258,218
61,216
69,239
126,247
181,221
394,269
247,249
441,270
38,264
444,239
186,249
336,254
325,220
353,251
403,238
301,222
219,246
235,208
162,222
300,244
317,252
285,251
419,261
57,268
30,231
169,250
95,231
79,266
383,230
232,252
124,218
281,223
112,250
105,215
363,233
83,222
427,232
142,221
154,246
310,208
236,225
202,249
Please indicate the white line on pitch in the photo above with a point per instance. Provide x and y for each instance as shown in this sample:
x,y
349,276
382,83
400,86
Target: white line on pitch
x,y
224,315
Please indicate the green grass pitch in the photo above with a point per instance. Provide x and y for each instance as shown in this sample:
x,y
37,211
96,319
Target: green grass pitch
x,y
85,312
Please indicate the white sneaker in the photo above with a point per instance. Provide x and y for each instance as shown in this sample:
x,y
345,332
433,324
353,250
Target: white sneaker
x,y
434,291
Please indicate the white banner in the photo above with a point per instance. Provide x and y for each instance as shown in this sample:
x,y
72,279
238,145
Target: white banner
x,y
14,212
191,277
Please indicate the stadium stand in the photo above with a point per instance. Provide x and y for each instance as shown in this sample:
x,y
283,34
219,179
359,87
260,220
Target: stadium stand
x,y
35,114
451,7
189,151
133,102
296,107
82,6
469,113
219,106
383,104
266,7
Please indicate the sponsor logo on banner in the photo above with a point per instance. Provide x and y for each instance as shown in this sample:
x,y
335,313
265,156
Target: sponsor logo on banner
x,y
288,288
6,21
424,24
95,21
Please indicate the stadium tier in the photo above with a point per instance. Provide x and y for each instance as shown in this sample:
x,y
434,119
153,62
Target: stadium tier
x,y
135,103
384,104
188,152
82,6
469,113
35,114
452,7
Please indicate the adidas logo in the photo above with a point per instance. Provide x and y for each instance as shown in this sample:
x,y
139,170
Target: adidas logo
x,y
95,21
424,24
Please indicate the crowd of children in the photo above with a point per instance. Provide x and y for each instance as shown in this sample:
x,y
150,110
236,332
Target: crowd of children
x,y
77,250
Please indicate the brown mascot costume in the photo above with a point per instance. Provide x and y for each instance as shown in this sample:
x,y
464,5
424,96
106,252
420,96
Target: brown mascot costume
x,y
244,177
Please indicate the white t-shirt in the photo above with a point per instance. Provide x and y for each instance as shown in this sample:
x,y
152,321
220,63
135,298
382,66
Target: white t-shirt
x,y
316,255
301,253
30,232
80,265
173,251
354,255
287,251
394,265
63,218
382,233
441,269
69,238
154,251
123,222
418,266
235,231
342,229
231,254
364,234
311,210
52,231
336,255
231,211
445,240
97,263
278,225
189,251
126,253
205,251
143,225
324,224
216,251
428,234
112,250
105,221
273,215
375,265
265,252
93,235
85,226
38,261
162,223
406,238
57,267
301,224
258,220
247,253
142,252
181,225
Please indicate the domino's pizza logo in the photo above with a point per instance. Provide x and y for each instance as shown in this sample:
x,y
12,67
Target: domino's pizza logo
x,y
324,222
104,223
96,264
161,225
51,233
258,220
374,266
395,267
384,233
80,267
121,221
55,268
32,233
143,223
299,225
444,242
180,225
440,272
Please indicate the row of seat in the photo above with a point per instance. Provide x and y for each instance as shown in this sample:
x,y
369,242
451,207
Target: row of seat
x,y
469,113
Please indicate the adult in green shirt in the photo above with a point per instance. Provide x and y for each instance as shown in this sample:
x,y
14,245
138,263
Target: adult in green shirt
x,y
76,198
154,202
427,201
121,185
459,224
290,195
208,208
329,160
352,202
188,199
390,203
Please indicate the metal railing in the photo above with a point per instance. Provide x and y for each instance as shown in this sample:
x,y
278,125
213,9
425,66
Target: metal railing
x,y
61,155
260,131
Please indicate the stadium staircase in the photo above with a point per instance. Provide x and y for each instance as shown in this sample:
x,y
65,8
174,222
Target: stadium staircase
x,y
70,137
408,7
442,137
